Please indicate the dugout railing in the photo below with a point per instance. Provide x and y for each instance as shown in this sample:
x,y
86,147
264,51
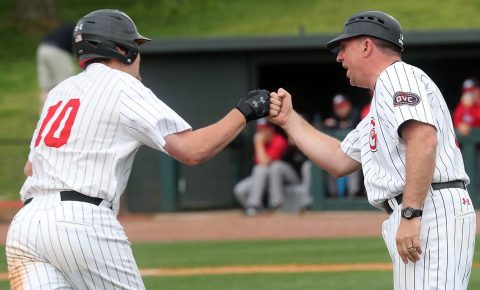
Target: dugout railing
x,y
470,145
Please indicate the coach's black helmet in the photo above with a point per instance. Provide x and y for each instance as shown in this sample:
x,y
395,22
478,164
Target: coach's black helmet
x,y
97,35
371,23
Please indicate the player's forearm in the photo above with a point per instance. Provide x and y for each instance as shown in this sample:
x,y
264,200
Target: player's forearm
x,y
198,146
319,147
420,165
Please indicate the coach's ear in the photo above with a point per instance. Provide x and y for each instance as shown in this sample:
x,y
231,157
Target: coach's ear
x,y
367,45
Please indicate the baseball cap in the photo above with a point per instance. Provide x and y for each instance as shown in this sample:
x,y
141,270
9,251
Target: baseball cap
x,y
469,85
339,101
262,123
372,23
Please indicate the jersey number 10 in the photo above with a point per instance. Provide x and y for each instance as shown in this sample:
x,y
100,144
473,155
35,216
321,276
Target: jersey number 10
x,y
50,140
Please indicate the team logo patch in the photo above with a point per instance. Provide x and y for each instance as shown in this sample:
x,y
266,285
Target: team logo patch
x,y
405,98
373,136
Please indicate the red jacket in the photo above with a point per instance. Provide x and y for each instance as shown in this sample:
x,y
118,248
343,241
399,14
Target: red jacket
x,y
276,147
469,115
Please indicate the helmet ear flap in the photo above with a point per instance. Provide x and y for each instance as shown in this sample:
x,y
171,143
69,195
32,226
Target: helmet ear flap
x,y
131,56
128,54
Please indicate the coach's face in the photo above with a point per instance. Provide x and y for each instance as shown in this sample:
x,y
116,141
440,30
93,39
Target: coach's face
x,y
351,57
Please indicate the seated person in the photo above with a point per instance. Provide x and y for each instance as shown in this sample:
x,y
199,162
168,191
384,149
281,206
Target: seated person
x,y
286,173
467,113
269,146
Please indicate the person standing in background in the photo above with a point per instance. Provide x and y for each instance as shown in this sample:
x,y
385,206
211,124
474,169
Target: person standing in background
x,y
344,116
54,59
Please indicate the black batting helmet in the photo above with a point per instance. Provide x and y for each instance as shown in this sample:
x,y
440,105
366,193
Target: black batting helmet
x,y
372,23
97,35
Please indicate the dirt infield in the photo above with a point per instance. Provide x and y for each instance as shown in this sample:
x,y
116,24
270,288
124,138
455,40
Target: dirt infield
x,y
233,225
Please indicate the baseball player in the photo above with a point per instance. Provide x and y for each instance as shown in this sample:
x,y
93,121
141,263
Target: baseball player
x,y
67,236
407,149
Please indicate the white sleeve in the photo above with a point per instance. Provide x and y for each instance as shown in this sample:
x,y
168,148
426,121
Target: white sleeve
x,y
405,94
351,144
148,119
34,138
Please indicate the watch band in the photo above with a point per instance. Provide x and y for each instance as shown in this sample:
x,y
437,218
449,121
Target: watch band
x,y
410,212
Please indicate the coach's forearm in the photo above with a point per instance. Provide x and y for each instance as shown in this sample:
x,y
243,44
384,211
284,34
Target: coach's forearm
x,y
319,147
421,145
195,147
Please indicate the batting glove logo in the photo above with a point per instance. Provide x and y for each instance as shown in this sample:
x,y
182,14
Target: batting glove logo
x,y
255,103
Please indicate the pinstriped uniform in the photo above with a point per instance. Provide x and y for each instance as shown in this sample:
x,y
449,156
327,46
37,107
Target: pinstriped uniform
x,y
91,150
404,92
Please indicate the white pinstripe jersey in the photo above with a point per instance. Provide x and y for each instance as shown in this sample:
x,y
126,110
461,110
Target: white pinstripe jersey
x,y
402,92
91,126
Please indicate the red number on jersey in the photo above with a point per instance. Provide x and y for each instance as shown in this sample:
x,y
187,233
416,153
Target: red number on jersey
x,y
50,139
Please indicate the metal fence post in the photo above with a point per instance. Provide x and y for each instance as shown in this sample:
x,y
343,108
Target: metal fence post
x,y
168,184
469,149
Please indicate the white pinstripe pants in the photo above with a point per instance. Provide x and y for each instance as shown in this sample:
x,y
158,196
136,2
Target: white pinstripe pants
x,y
53,244
447,239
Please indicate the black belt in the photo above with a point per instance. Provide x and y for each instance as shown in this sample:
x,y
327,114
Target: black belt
x,y
72,195
435,186
449,184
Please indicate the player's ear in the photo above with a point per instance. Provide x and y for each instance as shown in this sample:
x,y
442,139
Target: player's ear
x,y
121,50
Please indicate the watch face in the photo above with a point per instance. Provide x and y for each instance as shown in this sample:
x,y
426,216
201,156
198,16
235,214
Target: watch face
x,y
408,212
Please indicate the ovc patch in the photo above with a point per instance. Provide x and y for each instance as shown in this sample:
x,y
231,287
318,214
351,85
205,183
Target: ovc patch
x,y
405,98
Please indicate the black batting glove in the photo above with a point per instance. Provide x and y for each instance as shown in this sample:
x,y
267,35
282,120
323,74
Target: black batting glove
x,y
255,105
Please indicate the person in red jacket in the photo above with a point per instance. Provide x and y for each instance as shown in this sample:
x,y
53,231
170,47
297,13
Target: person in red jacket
x,y
269,146
467,113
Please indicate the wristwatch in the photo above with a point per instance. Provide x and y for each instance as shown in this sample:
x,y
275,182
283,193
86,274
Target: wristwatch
x,y
410,212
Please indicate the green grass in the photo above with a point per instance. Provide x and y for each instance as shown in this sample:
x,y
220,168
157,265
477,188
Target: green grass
x,y
13,160
19,97
269,252
198,254
275,17
281,281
